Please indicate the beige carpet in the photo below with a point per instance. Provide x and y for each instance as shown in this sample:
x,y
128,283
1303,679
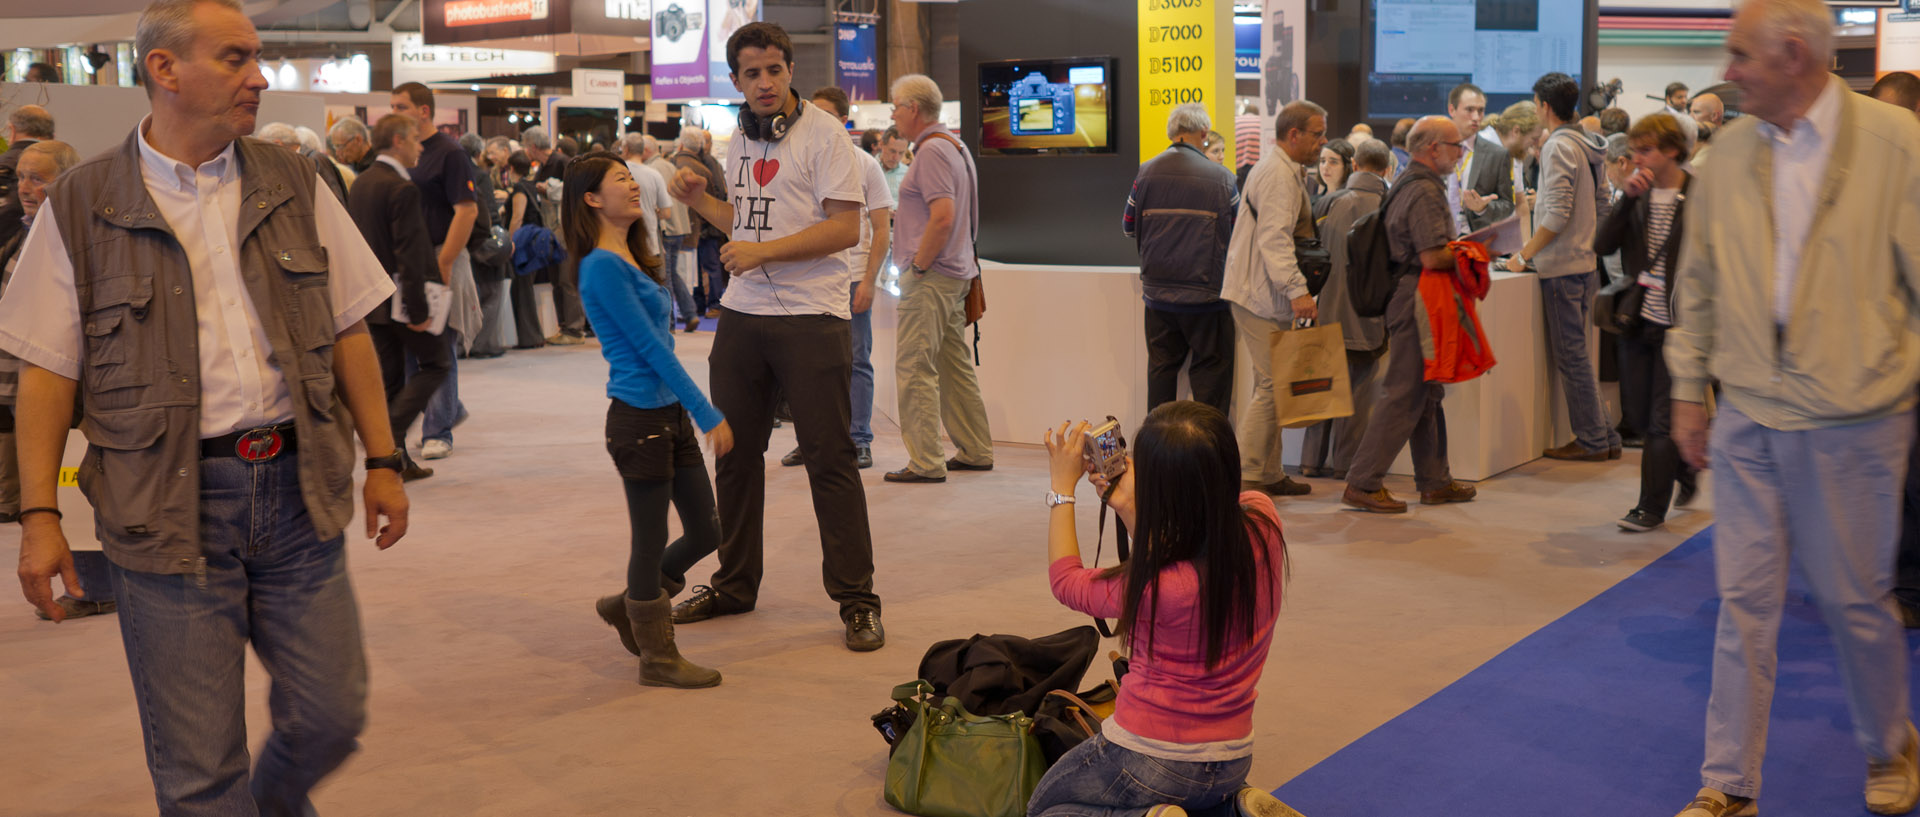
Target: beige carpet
x,y
496,691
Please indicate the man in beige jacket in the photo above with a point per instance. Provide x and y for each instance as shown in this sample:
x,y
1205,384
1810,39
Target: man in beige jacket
x,y
1797,294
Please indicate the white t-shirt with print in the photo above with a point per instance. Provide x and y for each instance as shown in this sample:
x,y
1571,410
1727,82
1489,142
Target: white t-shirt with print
x,y
778,189
653,196
873,180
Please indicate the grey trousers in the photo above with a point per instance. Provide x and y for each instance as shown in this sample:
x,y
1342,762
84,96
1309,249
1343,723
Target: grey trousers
x,y
1332,443
1407,409
1259,427
9,476
1828,498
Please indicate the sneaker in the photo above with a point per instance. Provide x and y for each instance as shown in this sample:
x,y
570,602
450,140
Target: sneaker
x,y
1252,802
435,449
863,457
702,605
792,458
564,339
1712,802
864,633
1640,521
79,608
1893,785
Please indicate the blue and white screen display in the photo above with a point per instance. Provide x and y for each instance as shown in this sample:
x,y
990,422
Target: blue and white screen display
x,y
1423,48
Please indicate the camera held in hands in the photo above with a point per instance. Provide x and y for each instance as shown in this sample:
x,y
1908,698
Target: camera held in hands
x,y
1106,450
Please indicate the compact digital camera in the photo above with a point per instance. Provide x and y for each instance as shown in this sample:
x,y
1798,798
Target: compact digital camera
x,y
1041,108
1106,450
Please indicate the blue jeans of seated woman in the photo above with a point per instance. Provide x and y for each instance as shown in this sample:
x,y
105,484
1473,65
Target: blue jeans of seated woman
x,y
1100,779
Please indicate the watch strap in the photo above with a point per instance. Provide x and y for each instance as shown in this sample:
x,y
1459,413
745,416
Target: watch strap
x,y
396,461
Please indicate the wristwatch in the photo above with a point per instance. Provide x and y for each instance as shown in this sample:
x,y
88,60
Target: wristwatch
x,y
396,461
1055,500
916,269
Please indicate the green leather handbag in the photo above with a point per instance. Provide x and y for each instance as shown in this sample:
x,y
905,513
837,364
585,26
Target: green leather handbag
x,y
952,763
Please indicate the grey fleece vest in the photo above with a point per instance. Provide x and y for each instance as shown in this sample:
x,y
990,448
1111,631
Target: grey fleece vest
x,y
140,367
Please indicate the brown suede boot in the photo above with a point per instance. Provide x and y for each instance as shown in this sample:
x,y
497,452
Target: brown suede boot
x,y
613,611
660,661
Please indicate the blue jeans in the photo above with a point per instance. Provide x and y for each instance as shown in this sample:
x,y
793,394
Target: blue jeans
x,y
708,257
862,391
265,579
670,256
95,574
1100,779
445,409
1568,302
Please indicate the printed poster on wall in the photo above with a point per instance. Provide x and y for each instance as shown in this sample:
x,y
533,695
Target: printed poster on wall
x,y
855,69
1898,47
725,17
1283,60
680,49
1186,55
1246,46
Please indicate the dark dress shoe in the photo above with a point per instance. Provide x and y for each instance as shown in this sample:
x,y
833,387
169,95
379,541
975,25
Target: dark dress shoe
x,y
693,324
1316,471
907,475
864,633
1454,492
1640,521
1615,452
414,471
1573,451
792,458
956,465
79,608
1689,491
705,603
1376,502
1285,487
863,457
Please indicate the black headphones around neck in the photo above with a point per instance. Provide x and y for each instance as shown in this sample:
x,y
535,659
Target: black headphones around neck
x,y
771,128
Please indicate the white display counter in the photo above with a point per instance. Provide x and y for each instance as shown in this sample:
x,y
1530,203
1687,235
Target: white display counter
x,y
1064,342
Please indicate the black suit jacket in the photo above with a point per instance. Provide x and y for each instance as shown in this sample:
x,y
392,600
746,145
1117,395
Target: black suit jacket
x,y
385,205
1624,230
1490,175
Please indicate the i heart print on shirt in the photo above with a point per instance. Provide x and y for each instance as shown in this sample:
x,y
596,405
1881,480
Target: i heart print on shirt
x,y
764,170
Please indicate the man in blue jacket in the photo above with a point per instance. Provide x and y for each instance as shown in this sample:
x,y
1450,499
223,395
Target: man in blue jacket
x,y
1180,212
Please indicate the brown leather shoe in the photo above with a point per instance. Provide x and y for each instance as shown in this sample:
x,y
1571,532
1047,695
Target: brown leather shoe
x,y
1377,502
1573,451
1454,492
1615,453
1285,487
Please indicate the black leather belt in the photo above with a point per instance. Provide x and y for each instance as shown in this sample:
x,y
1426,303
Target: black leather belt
x,y
261,444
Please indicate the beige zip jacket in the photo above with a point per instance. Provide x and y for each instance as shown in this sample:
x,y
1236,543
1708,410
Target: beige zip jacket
x,y
1850,350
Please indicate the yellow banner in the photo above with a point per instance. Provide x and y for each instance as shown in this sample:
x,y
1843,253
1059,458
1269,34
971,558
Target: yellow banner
x,y
1186,55
69,477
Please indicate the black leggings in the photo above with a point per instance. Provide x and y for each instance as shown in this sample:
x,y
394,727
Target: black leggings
x,y
651,557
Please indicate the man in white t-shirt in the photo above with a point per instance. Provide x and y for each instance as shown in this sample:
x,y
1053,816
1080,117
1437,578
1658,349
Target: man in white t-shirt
x,y
655,204
864,262
673,234
794,201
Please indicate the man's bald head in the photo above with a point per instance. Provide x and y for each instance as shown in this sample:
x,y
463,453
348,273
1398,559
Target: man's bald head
x,y
1782,53
1709,110
31,122
1590,124
1435,142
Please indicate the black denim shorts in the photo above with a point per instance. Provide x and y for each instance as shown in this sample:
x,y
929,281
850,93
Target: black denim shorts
x,y
650,444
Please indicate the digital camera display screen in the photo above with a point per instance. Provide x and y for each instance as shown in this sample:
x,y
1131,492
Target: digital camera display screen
x,y
1047,106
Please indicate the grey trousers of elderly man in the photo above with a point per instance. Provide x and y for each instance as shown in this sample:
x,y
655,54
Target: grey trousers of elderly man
x,y
935,369
1407,410
1828,498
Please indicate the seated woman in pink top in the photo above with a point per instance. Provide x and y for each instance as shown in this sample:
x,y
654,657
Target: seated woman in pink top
x,y
1196,602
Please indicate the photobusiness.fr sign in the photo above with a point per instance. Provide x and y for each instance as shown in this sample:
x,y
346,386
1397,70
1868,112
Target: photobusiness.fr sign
x,y
485,12
855,66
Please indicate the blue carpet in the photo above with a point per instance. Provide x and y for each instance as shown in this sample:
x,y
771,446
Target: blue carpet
x,y
1601,713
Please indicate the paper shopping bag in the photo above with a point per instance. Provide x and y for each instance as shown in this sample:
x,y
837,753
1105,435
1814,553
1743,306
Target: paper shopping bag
x,y
1310,376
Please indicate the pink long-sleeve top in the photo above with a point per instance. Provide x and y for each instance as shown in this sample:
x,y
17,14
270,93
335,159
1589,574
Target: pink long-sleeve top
x,y
1170,694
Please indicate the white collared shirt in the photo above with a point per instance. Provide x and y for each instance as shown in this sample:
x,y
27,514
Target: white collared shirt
x,y
1800,157
40,319
389,161
1457,185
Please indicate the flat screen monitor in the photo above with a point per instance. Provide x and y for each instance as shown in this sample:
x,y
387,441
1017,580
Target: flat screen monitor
x,y
591,127
1421,49
1057,106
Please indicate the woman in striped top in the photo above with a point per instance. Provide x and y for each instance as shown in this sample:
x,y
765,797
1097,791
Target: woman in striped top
x,y
1644,228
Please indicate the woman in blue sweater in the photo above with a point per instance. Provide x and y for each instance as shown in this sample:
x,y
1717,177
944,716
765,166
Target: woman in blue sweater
x,y
650,420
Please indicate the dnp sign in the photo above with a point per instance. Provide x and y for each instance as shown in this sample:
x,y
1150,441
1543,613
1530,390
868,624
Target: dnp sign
x,y
855,66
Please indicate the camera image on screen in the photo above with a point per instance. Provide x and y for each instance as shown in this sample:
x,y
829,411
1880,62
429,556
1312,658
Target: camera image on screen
x,y
1106,450
1041,108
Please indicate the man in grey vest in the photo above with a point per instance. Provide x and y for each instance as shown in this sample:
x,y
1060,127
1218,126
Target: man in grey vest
x,y
204,296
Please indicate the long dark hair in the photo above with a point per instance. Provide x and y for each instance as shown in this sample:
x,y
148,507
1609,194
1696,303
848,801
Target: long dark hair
x,y
1186,487
584,176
